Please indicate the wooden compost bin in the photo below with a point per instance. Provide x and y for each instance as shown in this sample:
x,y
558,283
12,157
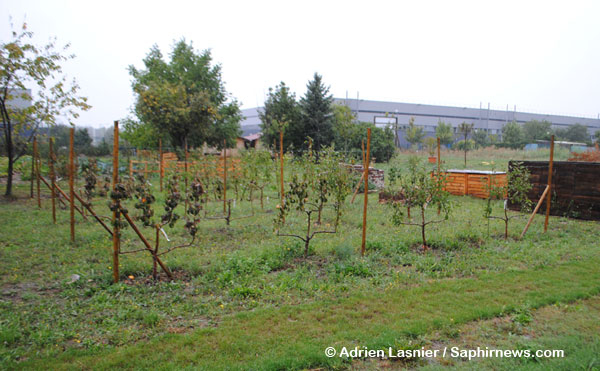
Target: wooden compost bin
x,y
473,182
575,187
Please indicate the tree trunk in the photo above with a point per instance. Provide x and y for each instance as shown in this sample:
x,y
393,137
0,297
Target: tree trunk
x,y
306,247
11,155
307,241
423,228
505,224
465,143
319,214
262,207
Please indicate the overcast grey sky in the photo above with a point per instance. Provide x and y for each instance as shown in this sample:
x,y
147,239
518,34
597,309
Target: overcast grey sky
x,y
541,56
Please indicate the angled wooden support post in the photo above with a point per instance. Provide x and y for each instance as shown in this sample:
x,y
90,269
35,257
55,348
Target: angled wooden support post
x,y
537,207
62,193
362,176
89,208
147,245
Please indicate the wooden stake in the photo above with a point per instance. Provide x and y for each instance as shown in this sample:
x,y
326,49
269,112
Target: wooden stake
x,y
32,167
147,244
71,182
362,176
362,147
537,207
116,219
160,164
224,176
157,241
185,177
52,179
89,208
438,164
61,192
366,200
36,159
549,198
281,166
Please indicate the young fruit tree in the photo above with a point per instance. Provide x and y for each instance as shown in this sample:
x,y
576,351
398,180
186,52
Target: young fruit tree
x,y
144,200
258,171
419,189
514,191
33,90
310,192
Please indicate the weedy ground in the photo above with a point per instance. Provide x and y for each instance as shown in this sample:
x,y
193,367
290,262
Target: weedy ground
x,y
244,298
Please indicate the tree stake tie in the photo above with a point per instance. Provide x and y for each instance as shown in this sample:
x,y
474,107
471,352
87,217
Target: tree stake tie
x,y
165,234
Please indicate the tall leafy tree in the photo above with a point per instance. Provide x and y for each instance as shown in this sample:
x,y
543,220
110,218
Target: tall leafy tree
x,y
414,134
139,134
316,116
343,126
281,109
25,66
480,138
444,132
82,139
185,98
574,133
382,141
536,130
512,135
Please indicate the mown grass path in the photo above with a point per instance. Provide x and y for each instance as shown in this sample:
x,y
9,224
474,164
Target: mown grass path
x,y
292,337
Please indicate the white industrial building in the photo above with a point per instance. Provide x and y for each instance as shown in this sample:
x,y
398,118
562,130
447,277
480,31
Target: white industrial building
x,y
397,115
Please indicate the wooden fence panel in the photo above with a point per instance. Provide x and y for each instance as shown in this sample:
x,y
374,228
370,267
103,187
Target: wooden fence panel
x,y
575,187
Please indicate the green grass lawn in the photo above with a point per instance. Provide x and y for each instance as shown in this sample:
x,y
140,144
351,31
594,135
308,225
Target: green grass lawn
x,y
247,299
486,158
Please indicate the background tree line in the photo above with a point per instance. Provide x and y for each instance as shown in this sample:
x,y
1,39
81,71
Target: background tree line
x,y
316,116
514,135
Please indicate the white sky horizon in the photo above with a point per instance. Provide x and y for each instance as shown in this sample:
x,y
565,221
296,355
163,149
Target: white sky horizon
x,y
541,56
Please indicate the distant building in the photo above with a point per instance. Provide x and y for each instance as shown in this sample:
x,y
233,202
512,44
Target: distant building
x,y
97,134
397,115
